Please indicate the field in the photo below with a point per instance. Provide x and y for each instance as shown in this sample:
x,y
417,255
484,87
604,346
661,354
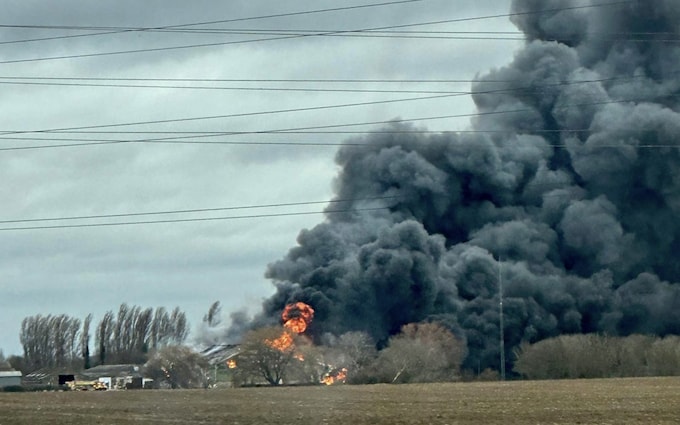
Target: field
x,y
615,401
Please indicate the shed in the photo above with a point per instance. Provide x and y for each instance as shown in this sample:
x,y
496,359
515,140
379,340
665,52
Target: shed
x,y
119,376
10,378
221,353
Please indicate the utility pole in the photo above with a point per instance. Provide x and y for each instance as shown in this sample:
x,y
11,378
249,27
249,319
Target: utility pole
x,y
500,307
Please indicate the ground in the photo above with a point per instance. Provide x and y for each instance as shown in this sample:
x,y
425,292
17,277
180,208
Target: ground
x,y
614,401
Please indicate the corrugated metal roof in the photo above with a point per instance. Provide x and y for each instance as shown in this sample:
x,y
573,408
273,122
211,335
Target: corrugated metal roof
x,y
221,353
11,373
114,370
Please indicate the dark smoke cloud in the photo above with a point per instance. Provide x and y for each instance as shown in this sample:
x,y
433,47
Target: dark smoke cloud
x,y
566,191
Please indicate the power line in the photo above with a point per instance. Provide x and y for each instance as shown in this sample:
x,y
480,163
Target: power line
x,y
284,89
467,19
189,220
119,30
198,210
237,115
313,80
287,37
178,138
427,35
205,219
59,81
343,144
306,109
415,35
305,144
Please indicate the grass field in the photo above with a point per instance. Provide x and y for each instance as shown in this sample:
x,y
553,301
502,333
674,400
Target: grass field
x,y
614,401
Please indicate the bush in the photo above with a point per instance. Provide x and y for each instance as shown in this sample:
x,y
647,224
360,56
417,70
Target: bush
x,y
422,352
599,356
13,389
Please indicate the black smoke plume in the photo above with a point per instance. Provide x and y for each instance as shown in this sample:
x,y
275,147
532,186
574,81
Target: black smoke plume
x,y
577,193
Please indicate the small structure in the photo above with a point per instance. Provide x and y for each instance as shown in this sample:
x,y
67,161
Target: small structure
x,y
10,378
64,378
223,359
220,354
49,377
121,376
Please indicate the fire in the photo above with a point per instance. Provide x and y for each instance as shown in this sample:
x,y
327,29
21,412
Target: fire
x,y
282,343
231,364
296,324
333,377
297,317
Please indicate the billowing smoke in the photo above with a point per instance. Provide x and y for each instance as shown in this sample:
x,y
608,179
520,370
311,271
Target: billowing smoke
x,y
577,192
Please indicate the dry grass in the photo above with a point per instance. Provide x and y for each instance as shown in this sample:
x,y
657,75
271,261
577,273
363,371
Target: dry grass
x,y
615,401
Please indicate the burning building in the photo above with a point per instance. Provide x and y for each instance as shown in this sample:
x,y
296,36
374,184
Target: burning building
x,y
568,181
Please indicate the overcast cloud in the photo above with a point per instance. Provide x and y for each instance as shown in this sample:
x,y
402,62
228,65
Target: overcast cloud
x,y
91,270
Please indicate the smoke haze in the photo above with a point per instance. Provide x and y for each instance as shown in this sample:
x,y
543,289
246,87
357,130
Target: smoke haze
x,y
577,192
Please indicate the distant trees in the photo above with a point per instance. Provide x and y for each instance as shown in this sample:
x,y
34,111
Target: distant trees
x,y
214,315
266,353
422,352
50,341
178,367
4,363
85,342
127,337
599,356
354,352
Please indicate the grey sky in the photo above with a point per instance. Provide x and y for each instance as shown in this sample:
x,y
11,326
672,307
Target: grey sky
x,y
190,265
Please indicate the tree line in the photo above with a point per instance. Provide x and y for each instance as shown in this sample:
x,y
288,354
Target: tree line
x,y
599,356
428,352
421,352
127,336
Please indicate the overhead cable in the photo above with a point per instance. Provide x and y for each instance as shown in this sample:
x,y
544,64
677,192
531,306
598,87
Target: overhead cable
x,y
181,139
288,37
301,109
99,82
119,30
188,220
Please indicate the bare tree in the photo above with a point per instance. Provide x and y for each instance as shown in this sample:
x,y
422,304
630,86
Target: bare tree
x,y
266,353
664,356
353,351
59,340
133,332
179,326
141,331
85,341
214,315
104,336
599,356
422,352
543,360
178,367
50,341
159,326
4,363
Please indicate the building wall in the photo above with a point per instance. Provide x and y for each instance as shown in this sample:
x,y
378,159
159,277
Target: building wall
x,y
6,381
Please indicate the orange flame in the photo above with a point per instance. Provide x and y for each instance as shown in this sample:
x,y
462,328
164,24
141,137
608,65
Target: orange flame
x,y
231,364
282,343
297,317
337,376
296,324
